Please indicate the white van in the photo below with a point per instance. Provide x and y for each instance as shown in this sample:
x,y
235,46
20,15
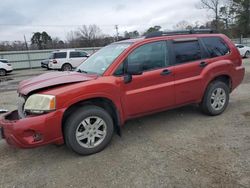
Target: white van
x,y
66,60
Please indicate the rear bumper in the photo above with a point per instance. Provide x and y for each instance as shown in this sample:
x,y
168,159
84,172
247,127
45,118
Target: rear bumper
x,y
54,66
33,131
238,76
44,66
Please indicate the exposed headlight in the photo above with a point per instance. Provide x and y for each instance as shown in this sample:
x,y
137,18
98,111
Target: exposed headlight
x,y
39,103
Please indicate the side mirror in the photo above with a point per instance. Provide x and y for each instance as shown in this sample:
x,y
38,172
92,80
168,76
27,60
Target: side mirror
x,y
135,68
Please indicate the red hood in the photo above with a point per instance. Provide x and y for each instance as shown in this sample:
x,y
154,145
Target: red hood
x,y
52,79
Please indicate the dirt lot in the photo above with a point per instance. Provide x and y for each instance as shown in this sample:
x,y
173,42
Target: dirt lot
x,y
177,148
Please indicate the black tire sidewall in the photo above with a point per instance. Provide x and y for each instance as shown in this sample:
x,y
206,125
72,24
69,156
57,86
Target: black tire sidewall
x,y
206,104
4,72
247,54
67,64
76,118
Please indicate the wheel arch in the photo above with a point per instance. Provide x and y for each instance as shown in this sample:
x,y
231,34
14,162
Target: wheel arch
x,y
245,54
221,77
102,102
4,70
66,63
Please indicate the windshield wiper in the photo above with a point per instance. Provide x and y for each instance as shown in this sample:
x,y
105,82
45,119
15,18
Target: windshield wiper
x,y
82,71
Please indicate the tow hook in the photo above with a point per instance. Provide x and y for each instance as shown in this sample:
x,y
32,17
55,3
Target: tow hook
x,y
2,111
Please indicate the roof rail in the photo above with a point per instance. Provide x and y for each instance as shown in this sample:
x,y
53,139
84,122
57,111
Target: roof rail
x,y
179,32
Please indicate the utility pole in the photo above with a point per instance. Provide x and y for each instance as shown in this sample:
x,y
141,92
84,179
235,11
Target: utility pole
x,y
117,33
28,54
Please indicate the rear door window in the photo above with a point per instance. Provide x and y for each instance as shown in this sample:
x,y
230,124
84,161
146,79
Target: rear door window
x,y
60,55
187,51
215,46
77,54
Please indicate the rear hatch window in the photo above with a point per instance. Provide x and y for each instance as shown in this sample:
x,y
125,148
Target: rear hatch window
x,y
4,61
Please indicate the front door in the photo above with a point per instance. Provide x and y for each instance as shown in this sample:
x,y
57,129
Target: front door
x,y
76,58
154,89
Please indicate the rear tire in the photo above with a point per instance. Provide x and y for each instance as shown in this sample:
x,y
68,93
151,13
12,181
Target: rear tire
x,y
67,67
88,130
216,98
247,54
3,72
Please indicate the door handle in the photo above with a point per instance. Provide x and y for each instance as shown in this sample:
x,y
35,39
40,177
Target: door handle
x,y
166,72
203,64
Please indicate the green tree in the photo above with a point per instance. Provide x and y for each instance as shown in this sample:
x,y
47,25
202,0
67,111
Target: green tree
x,y
41,40
242,10
132,34
152,29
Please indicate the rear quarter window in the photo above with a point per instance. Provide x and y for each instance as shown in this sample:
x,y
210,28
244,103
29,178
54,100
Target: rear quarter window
x,y
215,46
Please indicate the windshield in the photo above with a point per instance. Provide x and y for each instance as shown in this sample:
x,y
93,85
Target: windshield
x,y
102,59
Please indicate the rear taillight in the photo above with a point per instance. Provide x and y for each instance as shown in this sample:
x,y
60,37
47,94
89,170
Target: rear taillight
x,y
54,61
238,60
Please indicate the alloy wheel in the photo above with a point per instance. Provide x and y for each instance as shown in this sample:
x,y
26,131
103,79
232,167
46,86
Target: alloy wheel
x,y
218,99
91,132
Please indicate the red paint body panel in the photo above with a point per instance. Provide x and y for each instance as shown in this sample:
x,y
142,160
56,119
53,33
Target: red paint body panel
x,y
19,133
52,79
147,93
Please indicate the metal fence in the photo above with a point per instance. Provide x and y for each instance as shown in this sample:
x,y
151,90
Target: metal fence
x,y
32,58
244,41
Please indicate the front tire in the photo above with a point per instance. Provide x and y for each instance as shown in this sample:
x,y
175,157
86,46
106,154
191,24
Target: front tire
x,y
67,67
88,130
216,98
247,54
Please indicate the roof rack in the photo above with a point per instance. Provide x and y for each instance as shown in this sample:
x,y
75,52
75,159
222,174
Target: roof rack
x,y
179,32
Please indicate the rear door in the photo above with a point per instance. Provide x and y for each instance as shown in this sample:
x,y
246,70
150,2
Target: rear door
x,y
189,60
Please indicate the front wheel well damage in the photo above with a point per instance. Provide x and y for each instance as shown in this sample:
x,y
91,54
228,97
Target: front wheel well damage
x,y
104,103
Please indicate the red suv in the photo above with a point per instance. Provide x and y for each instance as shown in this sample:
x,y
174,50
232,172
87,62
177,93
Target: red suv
x,y
124,80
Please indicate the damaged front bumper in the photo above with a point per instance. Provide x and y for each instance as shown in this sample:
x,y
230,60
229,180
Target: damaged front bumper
x,y
32,131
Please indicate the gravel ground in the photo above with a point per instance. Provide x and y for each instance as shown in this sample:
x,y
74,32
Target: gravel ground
x,y
176,148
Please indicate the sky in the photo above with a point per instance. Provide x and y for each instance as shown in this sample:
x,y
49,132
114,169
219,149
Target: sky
x,y
59,17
